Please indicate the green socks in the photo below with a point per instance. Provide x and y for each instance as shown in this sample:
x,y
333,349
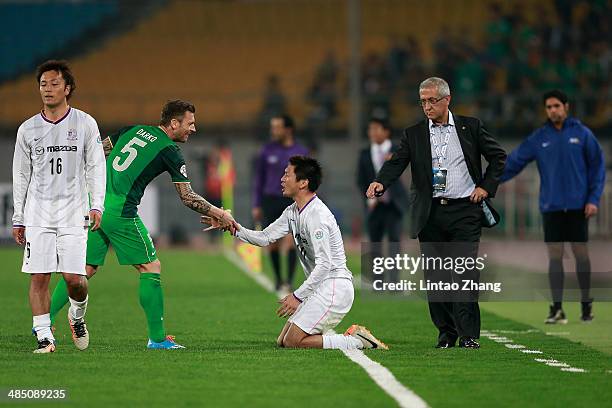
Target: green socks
x,y
152,301
58,299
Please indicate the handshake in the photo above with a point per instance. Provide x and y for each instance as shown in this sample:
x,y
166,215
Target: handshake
x,y
220,219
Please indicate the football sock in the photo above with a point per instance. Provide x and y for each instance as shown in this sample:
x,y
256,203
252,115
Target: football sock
x,y
341,342
555,277
292,258
42,326
152,301
275,257
77,309
583,270
58,299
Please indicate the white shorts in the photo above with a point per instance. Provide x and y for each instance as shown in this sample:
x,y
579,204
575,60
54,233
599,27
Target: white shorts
x,y
326,307
55,250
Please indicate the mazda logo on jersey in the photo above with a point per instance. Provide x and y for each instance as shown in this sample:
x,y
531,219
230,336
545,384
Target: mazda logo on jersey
x,y
72,135
39,150
52,149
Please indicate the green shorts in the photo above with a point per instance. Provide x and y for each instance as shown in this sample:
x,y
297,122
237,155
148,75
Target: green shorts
x,y
129,238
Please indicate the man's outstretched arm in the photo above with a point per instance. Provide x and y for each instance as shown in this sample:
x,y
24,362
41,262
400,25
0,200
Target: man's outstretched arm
x,y
198,204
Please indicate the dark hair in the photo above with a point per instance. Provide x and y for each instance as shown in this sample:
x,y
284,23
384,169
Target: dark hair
x,y
287,121
382,122
60,66
307,168
555,93
175,110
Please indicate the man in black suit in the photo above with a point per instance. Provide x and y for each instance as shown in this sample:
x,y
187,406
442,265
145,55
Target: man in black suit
x,y
449,197
384,213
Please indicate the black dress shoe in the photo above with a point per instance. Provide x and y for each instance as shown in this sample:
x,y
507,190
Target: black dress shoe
x,y
445,344
468,342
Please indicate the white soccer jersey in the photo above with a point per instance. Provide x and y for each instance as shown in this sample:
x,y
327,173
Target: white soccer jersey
x,y
55,166
317,237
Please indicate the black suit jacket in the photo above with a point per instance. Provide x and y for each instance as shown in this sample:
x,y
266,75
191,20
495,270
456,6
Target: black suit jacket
x,y
366,174
415,149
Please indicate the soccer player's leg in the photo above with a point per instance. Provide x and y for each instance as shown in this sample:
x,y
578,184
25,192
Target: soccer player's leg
x,y
322,312
97,248
134,246
71,251
40,260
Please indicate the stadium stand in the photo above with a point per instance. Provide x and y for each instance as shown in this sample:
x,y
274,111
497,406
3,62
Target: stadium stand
x,y
190,49
27,34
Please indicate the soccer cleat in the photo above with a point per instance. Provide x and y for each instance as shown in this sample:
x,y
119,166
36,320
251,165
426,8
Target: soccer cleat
x,y
587,312
45,346
556,316
367,339
80,335
168,344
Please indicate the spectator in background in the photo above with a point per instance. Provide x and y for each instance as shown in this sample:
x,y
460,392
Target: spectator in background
x,y
274,103
322,92
268,200
384,213
572,172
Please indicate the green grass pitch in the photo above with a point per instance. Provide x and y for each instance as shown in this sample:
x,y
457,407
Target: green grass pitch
x,y
229,327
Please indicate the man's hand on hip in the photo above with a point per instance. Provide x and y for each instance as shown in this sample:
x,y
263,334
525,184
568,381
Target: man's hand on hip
x,y
478,195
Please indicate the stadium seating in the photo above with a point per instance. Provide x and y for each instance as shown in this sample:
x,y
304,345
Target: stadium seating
x,y
35,30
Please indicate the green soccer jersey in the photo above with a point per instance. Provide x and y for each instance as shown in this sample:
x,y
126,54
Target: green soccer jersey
x,y
140,153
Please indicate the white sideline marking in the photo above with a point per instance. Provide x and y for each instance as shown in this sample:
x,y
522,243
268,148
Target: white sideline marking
x,y
574,370
548,361
381,375
386,380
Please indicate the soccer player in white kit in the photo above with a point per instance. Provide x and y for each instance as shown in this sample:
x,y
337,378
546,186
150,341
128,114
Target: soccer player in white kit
x,y
327,294
58,169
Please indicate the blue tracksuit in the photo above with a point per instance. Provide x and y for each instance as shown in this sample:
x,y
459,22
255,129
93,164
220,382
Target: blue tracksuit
x,y
570,162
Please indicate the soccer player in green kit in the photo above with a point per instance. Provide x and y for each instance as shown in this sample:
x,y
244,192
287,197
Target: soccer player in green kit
x,y
135,156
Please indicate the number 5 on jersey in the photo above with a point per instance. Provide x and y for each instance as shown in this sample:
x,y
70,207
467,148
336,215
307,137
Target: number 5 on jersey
x,y
132,153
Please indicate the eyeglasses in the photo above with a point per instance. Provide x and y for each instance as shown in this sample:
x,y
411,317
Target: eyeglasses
x,y
431,101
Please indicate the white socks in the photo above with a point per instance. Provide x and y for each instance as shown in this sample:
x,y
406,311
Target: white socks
x,y
77,309
42,326
341,342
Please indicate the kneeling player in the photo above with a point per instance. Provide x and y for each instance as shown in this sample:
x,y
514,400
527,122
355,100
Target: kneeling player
x,y
326,296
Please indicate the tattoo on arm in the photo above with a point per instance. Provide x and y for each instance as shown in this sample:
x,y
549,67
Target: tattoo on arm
x,y
107,145
192,199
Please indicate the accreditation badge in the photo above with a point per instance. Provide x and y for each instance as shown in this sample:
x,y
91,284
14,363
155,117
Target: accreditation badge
x,y
439,179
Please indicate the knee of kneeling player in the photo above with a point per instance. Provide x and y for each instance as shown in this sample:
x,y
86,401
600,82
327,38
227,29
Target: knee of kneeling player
x,y
291,342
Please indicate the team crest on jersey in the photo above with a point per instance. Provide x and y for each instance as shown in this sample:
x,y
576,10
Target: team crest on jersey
x,y
183,170
318,234
39,150
72,135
